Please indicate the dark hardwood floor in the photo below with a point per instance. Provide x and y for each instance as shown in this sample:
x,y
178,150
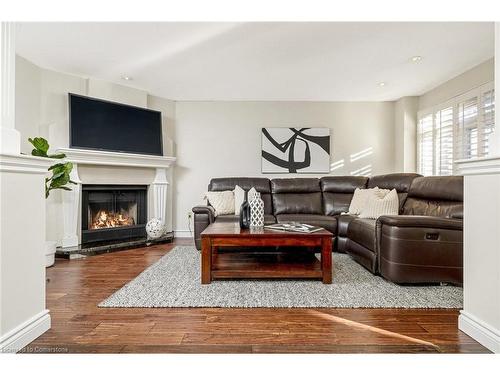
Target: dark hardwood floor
x,y
74,288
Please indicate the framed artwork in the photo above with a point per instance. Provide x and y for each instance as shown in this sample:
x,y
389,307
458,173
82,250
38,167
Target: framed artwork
x,y
295,150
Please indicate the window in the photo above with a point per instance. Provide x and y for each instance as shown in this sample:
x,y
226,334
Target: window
x,y
458,129
443,157
426,144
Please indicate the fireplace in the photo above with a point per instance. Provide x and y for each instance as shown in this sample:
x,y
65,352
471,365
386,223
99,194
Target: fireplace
x,y
113,212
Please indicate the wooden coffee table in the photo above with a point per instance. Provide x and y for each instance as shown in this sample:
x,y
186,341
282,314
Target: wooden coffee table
x,y
261,265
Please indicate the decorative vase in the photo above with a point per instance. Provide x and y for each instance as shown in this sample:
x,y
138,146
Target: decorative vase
x,y
154,229
257,212
245,213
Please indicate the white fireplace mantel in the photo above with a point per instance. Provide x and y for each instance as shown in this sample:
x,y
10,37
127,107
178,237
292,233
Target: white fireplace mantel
x,y
120,159
158,188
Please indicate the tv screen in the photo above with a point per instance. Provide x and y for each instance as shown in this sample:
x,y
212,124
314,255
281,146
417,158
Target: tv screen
x,y
102,125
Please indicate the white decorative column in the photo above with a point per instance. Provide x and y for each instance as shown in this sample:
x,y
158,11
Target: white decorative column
x,y
480,317
159,189
10,140
22,244
71,209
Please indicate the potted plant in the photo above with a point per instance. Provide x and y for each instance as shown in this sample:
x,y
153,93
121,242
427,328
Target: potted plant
x,y
59,180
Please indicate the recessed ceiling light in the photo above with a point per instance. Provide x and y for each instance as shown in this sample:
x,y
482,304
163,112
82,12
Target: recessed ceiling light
x,y
381,84
416,58
127,78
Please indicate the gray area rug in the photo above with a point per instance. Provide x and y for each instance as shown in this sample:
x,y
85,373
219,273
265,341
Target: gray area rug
x,y
174,281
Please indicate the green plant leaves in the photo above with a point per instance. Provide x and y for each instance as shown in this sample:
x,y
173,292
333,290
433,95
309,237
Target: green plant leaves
x,y
41,146
60,171
60,176
57,156
36,152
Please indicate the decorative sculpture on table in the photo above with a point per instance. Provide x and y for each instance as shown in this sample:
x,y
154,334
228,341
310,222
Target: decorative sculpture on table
x,y
245,213
256,211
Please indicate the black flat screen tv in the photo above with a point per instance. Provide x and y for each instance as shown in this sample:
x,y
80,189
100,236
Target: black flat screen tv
x,y
102,125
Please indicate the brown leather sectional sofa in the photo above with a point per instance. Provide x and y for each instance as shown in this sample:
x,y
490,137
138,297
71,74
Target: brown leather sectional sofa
x,y
421,245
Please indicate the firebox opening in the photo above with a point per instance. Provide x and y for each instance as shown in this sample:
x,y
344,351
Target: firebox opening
x,y
113,212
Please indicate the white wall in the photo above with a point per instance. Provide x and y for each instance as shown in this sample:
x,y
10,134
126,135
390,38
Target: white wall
x,y
405,134
22,247
217,139
472,78
23,316
28,82
480,317
122,94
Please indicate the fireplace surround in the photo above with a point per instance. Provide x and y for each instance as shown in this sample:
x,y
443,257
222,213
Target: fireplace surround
x,y
113,212
157,194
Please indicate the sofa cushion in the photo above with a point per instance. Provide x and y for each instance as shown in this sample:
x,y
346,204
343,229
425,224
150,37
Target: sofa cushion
x,y
343,223
268,219
362,255
227,219
262,185
435,196
363,232
295,185
449,188
338,192
327,222
296,196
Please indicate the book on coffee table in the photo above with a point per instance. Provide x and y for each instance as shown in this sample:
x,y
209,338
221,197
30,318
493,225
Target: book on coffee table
x,y
294,227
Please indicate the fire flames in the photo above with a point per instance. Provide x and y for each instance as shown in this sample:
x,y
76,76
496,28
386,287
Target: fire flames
x,y
105,219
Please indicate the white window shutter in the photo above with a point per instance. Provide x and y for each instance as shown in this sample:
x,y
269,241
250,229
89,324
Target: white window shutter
x,y
487,120
444,142
459,129
426,145
467,126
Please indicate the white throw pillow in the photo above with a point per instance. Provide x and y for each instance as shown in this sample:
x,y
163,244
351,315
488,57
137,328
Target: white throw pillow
x,y
239,197
376,206
360,197
221,201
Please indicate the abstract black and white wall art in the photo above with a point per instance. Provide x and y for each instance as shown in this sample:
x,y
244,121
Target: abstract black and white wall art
x,y
295,150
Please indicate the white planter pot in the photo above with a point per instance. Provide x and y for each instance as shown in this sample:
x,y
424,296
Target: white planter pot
x,y
50,253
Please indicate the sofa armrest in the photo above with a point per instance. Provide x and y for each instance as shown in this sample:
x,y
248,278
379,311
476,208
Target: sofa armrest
x,y
203,217
207,210
421,222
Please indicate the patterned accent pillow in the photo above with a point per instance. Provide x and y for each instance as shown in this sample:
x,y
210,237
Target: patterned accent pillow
x,y
221,201
361,196
376,207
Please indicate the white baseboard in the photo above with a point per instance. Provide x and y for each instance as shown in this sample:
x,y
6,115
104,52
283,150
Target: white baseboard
x,y
480,331
183,233
26,332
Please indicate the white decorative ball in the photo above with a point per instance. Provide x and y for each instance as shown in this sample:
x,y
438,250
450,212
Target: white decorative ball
x,y
155,228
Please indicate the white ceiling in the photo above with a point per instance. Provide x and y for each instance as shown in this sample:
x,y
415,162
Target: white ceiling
x,y
262,61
